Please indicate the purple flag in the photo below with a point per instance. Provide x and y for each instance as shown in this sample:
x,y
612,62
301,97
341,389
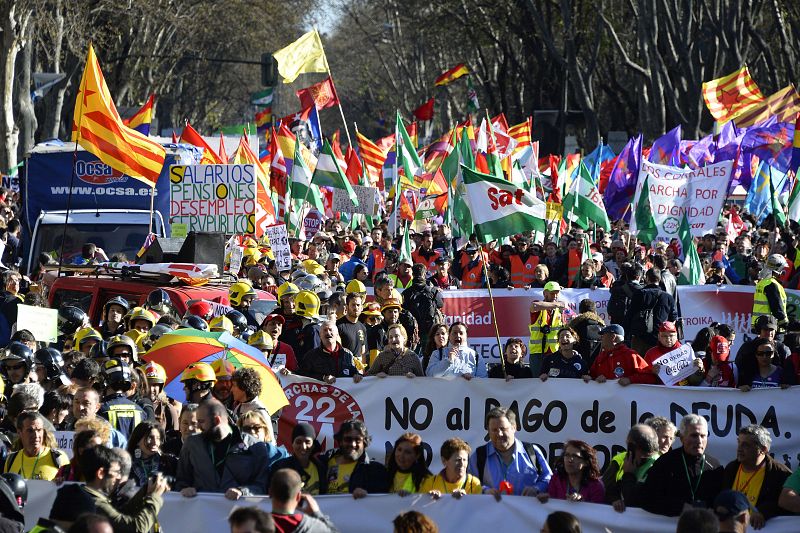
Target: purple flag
x,y
700,154
666,149
772,144
622,182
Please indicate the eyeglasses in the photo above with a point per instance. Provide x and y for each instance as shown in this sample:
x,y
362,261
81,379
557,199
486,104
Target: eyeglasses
x,y
573,457
253,429
765,353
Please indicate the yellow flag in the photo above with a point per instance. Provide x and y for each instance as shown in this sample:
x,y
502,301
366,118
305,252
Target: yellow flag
x,y
302,56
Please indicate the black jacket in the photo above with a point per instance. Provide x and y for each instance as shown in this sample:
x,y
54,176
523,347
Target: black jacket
x,y
516,370
319,363
748,366
663,306
368,475
667,489
775,475
294,464
422,300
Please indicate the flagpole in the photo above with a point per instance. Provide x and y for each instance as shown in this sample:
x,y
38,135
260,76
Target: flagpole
x,y
335,92
494,315
152,202
396,179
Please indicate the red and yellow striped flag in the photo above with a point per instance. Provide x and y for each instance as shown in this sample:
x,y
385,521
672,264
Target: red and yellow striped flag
x,y
784,104
372,155
451,75
728,95
98,128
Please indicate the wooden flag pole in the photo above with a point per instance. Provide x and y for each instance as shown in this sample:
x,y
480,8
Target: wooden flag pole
x,y
494,314
152,202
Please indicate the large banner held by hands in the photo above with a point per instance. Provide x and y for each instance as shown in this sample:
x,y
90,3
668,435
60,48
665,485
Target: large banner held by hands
x,y
674,191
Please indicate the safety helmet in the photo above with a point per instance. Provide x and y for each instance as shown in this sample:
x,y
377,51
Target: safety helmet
x,y
307,304
155,373
394,294
140,313
251,256
98,351
287,289
311,283
312,267
355,286
51,360
17,351
86,334
324,295
117,374
71,319
199,371
159,300
238,320
18,486
261,340
195,322
201,308
249,242
121,340
223,369
298,273
153,335
238,291
221,323
776,262
117,300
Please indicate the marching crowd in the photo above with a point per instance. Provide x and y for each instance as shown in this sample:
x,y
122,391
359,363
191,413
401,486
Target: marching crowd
x,y
132,443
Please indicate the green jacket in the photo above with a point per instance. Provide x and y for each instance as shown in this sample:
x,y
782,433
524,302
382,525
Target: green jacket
x,y
139,515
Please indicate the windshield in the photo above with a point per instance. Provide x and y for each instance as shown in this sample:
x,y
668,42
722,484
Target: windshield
x,y
120,242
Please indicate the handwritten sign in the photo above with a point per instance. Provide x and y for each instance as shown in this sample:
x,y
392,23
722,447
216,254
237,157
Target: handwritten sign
x,y
279,243
179,230
366,201
217,198
676,365
40,321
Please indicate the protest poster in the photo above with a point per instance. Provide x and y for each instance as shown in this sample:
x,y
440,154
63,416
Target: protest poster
x,y
40,321
179,230
215,198
366,201
676,365
279,243
312,223
674,191
64,441
237,254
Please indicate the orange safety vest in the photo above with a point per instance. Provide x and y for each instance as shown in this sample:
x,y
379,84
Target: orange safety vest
x,y
573,266
522,273
472,278
430,264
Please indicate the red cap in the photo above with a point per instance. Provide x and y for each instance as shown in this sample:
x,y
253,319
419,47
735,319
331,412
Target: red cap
x,y
349,247
667,327
274,316
720,349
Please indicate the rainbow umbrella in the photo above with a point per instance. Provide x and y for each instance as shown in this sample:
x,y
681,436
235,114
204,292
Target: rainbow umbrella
x,y
177,349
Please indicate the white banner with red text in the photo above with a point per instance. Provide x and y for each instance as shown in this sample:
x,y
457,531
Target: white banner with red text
x,y
549,413
700,305
374,514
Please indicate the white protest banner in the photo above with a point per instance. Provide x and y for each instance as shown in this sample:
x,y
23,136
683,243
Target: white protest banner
x,y
64,441
209,512
699,193
279,243
676,365
40,321
548,413
366,200
237,255
218,198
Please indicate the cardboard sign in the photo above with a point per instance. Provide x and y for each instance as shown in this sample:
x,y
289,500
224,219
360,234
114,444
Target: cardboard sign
x,y
40,321
237,254
676,365
64,441
217,198
279,242
366,201
179,230
312,223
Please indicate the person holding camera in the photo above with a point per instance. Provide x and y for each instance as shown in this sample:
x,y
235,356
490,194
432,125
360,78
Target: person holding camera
x,y
292,510
622,479
148,459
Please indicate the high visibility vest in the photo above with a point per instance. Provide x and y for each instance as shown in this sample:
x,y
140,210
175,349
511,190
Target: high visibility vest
x,y
760,303
397,284
430,264
471,278
541,342
522,273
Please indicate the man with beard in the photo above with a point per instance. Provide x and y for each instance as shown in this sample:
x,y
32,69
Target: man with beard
x,y
352,332
349,468
222,458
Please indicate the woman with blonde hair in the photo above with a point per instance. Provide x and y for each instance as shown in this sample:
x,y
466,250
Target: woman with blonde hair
x,y
396,359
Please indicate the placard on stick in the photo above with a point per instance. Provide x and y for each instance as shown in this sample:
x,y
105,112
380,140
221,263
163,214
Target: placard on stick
x,y
40,321
366,201
279,242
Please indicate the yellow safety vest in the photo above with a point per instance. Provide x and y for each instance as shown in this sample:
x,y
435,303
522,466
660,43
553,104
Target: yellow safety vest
x,y
540,342
760,303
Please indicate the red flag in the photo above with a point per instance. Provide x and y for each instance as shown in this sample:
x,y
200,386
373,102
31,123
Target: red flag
x,y
555,196
322,94
425,111
354,168
407,210
222,154
190,136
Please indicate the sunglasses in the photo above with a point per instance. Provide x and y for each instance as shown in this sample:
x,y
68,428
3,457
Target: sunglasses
x,y
253,429
765,353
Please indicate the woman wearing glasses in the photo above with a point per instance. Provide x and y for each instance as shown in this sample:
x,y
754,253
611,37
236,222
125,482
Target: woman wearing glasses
x,y
768,374
577,476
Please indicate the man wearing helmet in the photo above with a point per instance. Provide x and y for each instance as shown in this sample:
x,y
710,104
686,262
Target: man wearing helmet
x,y
287,309
85,339
122,413
198,379
123,348
201,308
167,412
238,322
50,369
307,308
70,320
17,364
160,302
114,311
139,321
223,371
769,297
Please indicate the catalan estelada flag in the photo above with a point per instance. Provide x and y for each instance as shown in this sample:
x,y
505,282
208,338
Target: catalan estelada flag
x,y
97,127
141,120
729,94
451,75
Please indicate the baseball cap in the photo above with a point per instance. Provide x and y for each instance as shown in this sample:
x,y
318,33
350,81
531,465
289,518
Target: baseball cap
x,y
552,286
334,257
442,259
720,349
766,322
730,503
667,327
616,329
470,247
274,316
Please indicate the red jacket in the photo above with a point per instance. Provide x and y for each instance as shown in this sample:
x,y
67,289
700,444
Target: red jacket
x,y
622,362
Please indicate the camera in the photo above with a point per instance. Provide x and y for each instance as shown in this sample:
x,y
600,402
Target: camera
x,y
169,479
546,329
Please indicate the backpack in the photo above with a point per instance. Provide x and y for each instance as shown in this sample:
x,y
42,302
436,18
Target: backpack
x,y
422,304
530,449
620,302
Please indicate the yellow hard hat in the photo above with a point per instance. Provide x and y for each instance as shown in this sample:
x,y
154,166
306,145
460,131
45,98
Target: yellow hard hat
x,y
85,334
221,323
140,313
312,267
198,371
155,373
307,304
355,286
251,256
238,291
395,295
261,340
287,289
223,369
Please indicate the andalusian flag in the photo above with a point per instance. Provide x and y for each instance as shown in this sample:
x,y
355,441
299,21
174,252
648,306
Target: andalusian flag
x,y
585,201
777,208
500,208
794,201
301,187
328,173
692,270
645,223
407,157
405,247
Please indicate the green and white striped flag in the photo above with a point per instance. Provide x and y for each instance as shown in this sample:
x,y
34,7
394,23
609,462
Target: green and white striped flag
x,y
500,208
405,247
407,157
692,270
262,98
794,201
328,173
585,201
300,184
643,215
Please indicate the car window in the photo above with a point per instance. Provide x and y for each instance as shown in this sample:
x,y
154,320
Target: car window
x,y
82,299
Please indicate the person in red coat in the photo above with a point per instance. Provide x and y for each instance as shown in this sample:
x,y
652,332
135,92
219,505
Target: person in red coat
x,y
617,361
667,342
